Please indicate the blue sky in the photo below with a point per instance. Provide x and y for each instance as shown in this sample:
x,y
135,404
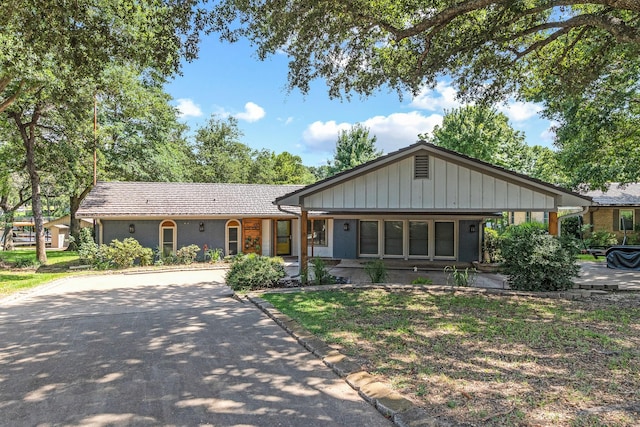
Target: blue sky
x,y
228,79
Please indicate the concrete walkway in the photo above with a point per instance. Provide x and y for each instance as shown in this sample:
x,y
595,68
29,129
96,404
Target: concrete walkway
x,y
160,349
591,273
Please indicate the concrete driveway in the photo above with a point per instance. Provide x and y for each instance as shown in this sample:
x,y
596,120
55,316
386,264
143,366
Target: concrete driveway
x,y
160,349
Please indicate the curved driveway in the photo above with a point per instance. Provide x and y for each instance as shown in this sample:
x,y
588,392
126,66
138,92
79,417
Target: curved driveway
x,y
160,349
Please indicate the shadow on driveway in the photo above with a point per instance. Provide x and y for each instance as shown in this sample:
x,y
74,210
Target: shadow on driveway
x,y
183,354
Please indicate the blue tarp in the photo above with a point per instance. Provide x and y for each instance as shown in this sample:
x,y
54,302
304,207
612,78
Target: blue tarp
x,y
623,257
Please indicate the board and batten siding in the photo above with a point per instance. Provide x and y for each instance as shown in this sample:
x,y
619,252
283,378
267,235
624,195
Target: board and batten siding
x,y
449,186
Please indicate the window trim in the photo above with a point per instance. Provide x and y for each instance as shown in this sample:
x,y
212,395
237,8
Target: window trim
x,y
164,226
227,226
455,240
429,232
384,239
326,232
621,219
360,254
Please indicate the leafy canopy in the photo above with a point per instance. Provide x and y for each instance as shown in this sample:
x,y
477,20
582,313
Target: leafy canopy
x,y
488,47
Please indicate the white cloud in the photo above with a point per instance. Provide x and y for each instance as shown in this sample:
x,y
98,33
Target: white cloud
x,y
549,134
286,121
442,97
519,111
392,132
322,136
252,113
187,108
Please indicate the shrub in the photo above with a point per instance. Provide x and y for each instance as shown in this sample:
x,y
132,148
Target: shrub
x,y
321,275
119,254
602,238
27,263
492,245
187,254
422,281
214,255
455,277
376,270
537,261
88,248
249,272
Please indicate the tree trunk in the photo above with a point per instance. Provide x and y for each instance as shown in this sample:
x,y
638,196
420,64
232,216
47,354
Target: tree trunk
x,y
28,136
36,203
74,223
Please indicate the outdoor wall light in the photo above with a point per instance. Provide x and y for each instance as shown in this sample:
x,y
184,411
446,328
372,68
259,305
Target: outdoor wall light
x,y
472,228
345,226
132,228
201,226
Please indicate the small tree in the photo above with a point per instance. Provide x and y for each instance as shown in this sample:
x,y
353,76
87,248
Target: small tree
x,y
537,261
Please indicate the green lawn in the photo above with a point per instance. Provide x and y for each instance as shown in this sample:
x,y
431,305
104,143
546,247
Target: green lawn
x,y
488,360
19,279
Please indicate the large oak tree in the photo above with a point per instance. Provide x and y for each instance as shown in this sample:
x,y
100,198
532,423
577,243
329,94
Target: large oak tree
x,y
52,47
485,45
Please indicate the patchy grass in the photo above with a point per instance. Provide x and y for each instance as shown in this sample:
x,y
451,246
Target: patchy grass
x,y
589,257
489,360
11,282
14,279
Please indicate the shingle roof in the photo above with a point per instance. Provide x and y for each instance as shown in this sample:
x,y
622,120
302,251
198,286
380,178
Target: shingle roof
x,y
617,195
171,199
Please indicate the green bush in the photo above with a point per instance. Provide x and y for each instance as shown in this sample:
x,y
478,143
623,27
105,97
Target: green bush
x,y
187,254
88,248
422,281
492,245
27,263
537,261
214,255
601,238
456,277
249,272
321,274
376,270
119,254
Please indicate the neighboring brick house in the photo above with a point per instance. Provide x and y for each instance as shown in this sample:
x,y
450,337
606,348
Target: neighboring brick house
x,y
615,210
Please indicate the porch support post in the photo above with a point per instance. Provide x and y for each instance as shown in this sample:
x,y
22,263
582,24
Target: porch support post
x,y
553,223
303,242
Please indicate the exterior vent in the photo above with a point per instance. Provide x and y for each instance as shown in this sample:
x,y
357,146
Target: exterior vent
x,y
421,166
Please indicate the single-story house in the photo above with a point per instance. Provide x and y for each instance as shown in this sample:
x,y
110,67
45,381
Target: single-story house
x,y
421,202
615,210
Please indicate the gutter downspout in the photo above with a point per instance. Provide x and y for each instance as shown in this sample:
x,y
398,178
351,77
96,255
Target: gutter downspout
x,y
572,215
100,236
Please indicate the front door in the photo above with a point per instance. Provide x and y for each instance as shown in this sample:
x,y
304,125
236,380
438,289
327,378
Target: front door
x,y
283,237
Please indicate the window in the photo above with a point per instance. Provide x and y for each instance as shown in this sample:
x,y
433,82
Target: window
x,y
317,229
419,238
369,237
233,237
626,219
393,233
421,166
527,216
545,218
444,239
168,237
